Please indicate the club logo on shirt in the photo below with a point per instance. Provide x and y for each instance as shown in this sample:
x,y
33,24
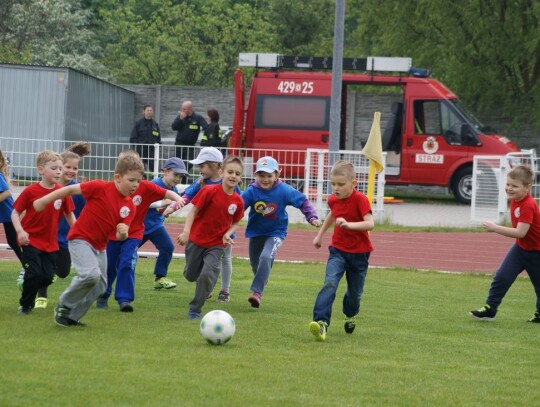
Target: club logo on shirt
x,y
57,204
124,212
137,199
517,212
232,209
266,210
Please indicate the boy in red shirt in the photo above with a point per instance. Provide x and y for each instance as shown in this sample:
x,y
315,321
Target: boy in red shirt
x,y
37,233
525,252
216,211
122,254
349,250
108,209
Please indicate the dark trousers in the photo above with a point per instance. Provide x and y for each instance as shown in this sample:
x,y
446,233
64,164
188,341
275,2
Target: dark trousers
x,y
11,237
63,267
39,268
516,261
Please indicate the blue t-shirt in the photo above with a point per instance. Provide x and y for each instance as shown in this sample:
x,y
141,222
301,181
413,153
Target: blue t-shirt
x,y
6,206
154,220
63,227
268,209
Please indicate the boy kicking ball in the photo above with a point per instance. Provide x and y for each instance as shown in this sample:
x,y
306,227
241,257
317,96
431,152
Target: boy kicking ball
x,y
349,250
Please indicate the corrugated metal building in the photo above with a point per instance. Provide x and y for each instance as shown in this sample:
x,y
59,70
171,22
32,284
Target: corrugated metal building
x,y
52,104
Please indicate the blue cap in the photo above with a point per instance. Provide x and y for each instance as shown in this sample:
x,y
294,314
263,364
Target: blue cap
x,y
267,164
175,164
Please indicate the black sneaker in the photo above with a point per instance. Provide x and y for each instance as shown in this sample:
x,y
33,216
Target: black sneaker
x,y
24,310
349,324
64,321
126,307
486,313
535,318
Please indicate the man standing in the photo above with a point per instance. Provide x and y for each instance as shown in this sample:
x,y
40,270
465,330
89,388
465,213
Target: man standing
x,y
146,131
188,125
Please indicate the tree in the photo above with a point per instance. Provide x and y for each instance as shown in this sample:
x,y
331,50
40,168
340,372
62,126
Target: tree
x,y
50,32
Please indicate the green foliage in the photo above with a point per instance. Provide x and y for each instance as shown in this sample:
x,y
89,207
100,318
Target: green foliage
x,y
414,345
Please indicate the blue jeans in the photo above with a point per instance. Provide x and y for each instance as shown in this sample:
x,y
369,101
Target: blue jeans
x,y
354,266
514,263
121,263
161,239
262,252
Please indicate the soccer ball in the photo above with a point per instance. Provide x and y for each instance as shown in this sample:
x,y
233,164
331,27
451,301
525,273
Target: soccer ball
x,y
217,327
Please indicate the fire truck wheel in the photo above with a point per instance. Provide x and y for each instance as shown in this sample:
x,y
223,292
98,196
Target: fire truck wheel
x,y
462,185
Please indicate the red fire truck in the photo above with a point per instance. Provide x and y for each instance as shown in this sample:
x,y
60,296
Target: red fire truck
x,y
430,138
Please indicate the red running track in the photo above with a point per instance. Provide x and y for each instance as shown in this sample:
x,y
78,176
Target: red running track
x,y
441,251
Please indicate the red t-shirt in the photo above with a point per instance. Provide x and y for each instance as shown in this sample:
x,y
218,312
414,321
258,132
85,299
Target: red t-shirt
x,y
146,194
352,209
217,212
526,211
42,227
105,208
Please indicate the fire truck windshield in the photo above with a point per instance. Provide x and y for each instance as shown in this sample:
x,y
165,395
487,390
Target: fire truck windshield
x,y
471,118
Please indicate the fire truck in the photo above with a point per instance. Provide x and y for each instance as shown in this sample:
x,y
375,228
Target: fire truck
x,y
429,136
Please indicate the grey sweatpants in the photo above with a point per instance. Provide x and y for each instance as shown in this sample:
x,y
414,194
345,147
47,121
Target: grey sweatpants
x,y
203,265
90,281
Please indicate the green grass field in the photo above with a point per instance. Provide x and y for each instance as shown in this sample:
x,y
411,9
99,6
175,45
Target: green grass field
x,y
414,345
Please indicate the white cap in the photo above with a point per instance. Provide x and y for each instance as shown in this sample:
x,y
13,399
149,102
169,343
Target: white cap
x,y
207,154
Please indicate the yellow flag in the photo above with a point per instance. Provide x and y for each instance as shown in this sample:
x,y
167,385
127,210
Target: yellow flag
x,y
373,147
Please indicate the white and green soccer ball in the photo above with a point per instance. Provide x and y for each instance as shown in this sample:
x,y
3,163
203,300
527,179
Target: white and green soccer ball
x,y
217,327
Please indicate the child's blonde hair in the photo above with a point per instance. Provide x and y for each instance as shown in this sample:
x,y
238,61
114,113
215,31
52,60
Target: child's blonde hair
x,y
46,156
522,173
128,162
344,168
129,152
3,166
214,165
233,159
76,151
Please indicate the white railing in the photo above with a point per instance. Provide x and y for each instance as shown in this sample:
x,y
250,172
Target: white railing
x,y
489,201
306,170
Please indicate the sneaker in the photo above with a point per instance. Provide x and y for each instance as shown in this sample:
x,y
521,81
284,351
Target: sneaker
x,y
65,322
163,282
126,307
223,296
101,303
535,318
41,302
24,311
255,299
194,315
60,310
349,324
485,313
318,329
20,280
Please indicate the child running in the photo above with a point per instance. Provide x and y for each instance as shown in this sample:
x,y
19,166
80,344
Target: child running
x,y
209,161
268,198
122,253
108,208
37,233
70,168
208,230
525,252
349,250
174,171
6,209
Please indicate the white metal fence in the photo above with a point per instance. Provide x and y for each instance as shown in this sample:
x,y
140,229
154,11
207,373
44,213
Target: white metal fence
x,y
489,201
306,170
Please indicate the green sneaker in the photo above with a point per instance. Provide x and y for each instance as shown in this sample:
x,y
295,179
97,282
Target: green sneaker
x,y
535,318
349,324
164,282
486,313
41,302
318,329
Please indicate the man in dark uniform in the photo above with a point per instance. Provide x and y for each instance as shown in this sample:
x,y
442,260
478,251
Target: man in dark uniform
x,y
146,131
188,125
